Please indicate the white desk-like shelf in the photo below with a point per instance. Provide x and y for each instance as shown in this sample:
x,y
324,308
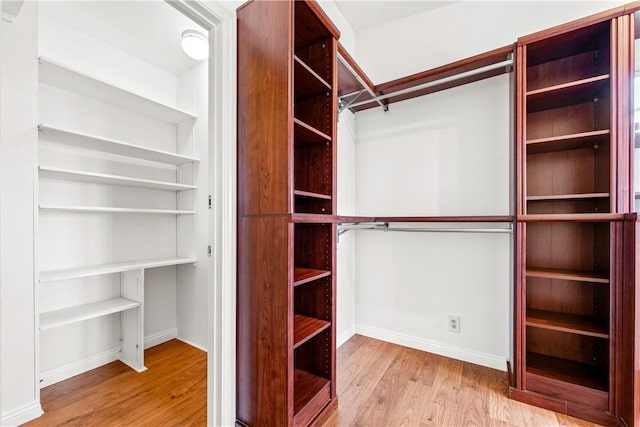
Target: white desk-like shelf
x,y
64,77
101,209
111,146
117,267
80,313
99,178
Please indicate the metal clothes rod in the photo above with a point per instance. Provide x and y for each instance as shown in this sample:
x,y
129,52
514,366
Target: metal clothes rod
x,y
506,63
385,227
364,85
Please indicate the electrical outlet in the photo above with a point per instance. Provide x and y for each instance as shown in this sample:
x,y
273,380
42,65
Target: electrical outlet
x,y
454,324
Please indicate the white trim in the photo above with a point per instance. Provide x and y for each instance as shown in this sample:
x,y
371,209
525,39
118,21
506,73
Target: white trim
x,y
192,344
223,295
72,369
160,337
222,183
22,414
344,336
459,353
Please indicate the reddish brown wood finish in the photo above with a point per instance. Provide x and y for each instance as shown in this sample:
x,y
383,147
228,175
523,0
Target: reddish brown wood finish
x,y
569,259
479,218
287,94
628,346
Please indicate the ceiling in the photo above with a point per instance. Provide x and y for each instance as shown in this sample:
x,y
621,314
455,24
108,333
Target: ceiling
x,y
363,14
149,30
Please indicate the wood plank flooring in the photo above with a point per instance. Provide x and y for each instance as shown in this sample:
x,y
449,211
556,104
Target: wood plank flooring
x,y
382,384
379,384
171,392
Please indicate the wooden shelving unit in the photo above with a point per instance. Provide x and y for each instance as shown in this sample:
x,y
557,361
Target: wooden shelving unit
x,y
567,221
286,241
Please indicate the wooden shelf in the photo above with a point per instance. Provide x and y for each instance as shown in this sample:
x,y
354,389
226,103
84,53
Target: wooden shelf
x,y
306,387
566,323
100,209
581,217
80,313
64,77
306,275
568,197
576,92
99,178
307,82
568,142
116,267
575,275
305,134
313,218
111,146
311,195
306,328
565,370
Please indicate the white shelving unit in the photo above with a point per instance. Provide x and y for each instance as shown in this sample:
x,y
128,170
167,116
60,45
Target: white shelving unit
x,y
130,302
65,77
106,145
104,209
116,267
100,178
53,319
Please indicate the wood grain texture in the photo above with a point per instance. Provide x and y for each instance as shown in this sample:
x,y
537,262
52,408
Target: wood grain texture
x,y
264,302
265,90
383,384
171,392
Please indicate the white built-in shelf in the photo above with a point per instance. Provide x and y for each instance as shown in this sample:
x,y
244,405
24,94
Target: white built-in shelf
x,y
117,267
65,77
80,313
99,178
102,209
111,146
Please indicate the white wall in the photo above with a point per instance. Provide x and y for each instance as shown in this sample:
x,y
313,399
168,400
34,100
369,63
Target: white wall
x,y
443,154
446,153
346,263
462,29
18,153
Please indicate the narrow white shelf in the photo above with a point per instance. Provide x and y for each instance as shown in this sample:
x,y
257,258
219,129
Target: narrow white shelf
x,y
80,313
101,209
105,145
99,178
116,267
64,77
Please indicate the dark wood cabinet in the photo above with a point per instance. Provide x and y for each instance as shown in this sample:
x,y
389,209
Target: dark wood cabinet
x,y
572,183
287,98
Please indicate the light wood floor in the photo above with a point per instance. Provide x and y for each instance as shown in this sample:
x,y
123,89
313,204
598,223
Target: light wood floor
x,y
171,392
382,384
379,384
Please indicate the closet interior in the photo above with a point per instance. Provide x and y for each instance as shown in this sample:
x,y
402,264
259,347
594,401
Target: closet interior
x,y
122,193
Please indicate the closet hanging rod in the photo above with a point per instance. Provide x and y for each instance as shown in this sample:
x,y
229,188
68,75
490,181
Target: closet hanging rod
x,y
363,83
385,227
506,64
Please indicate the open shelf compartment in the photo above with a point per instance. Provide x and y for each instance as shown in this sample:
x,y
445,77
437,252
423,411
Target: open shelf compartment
x,y
67,78
66,316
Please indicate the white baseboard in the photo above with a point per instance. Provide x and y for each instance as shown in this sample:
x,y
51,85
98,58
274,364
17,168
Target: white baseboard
x,y
22,414
160,337
458,353
61,373
192,344
345,335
